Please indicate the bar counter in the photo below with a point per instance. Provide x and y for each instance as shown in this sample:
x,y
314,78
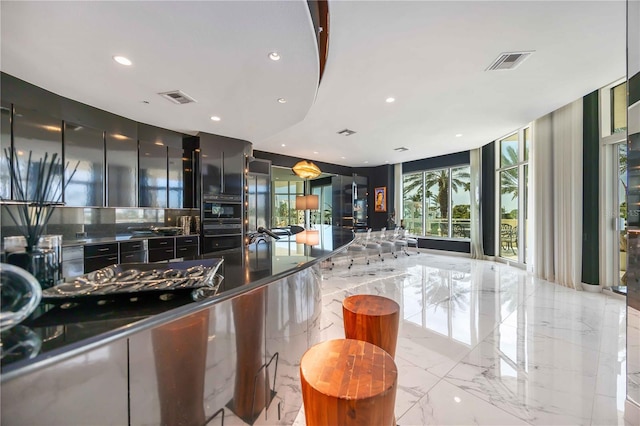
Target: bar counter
x,y
143,361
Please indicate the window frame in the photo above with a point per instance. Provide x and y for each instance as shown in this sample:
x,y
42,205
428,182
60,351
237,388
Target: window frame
x,y
425,214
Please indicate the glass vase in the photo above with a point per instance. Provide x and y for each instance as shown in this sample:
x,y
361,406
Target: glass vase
x,y
41,263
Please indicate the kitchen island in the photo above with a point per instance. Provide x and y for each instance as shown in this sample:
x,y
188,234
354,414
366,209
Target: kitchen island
x,y
177,361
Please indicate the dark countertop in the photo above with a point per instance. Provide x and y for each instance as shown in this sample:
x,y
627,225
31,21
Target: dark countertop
x,y
63,329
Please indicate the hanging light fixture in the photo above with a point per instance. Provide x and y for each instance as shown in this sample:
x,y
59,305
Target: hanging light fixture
x,y
306,170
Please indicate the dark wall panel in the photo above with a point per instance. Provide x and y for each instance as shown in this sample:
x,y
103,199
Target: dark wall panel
x,y
488,199
447,245
590,190
439,162
382,176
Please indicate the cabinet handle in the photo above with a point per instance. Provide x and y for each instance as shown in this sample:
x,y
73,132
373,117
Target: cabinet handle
x,y
104,249
182,249
112,258
129,256
169,251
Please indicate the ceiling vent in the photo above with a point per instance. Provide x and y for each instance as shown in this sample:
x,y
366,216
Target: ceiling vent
x,y
508,60
401,149
177,97
346,132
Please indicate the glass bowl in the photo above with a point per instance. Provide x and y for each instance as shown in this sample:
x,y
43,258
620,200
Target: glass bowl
x,y
20,294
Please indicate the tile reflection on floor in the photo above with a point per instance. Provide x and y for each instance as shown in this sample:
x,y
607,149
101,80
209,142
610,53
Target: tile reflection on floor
x,y
486,343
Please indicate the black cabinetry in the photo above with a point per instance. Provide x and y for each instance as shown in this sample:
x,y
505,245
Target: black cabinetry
x,y
153,174
133,251
84,147
122,170
161,249
187,246
222,164
41,135
98,256
5,143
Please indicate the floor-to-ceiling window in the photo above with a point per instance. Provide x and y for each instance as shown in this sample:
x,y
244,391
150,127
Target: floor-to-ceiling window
x,y
613,125
284,203
438,202
513,181
324,214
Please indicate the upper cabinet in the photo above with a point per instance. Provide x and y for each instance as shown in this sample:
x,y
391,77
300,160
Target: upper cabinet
x,y
122,170
36,135
153,174
161,168
84,147
5,144
223,162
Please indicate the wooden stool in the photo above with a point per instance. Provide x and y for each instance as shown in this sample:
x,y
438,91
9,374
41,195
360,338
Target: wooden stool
x,y
373,319
348,382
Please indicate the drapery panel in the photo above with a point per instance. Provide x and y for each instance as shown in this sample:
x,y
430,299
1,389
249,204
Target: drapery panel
x,y
557,195
477,249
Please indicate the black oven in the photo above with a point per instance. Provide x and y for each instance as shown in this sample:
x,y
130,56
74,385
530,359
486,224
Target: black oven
x,y
224,211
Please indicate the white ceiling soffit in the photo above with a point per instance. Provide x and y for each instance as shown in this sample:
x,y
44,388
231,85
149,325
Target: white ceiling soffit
x,y
215,51
432,56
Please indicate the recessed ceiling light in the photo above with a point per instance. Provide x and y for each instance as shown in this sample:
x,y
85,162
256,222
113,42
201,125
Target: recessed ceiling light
x,y
315,152
390,100
387,161
343,158
366,162
459,135
274,56
215,118
282,100
283,145
122,60
159,143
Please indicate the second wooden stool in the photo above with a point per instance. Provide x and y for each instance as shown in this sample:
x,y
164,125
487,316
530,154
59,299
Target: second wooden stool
x,y
371,318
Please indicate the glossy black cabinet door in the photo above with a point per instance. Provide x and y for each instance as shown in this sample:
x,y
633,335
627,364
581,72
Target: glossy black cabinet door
x,y
5,144
122,170
177,164
222,164
211,169
42,135
234,168
153,174
84,146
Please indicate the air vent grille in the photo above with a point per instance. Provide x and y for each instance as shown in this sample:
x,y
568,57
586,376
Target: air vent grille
x,y
401,149
346,132
177,97
508,61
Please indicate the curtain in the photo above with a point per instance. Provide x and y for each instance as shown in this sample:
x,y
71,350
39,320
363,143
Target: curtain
x,y
477,250
557,196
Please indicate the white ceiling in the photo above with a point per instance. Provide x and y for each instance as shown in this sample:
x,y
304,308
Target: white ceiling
x,y
430,56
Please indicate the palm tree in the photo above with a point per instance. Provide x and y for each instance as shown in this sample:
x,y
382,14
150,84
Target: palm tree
x,y
460,178
509,177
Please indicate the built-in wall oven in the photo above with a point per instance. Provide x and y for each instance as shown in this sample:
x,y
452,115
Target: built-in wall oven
x,y
221,222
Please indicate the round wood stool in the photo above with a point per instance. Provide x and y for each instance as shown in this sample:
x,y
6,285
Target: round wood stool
x,y
348,382
373,319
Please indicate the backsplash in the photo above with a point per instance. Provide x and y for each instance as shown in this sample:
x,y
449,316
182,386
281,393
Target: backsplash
x,y
72,222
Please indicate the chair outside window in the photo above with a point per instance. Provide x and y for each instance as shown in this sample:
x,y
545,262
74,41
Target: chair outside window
x,y
508,237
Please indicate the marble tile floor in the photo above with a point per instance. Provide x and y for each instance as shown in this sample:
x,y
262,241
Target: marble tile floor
x,y
485,343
